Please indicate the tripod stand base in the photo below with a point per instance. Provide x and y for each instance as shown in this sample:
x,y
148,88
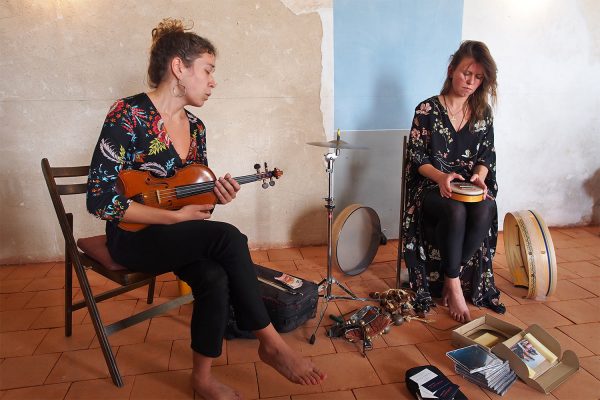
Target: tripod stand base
x,y
329,282
327,297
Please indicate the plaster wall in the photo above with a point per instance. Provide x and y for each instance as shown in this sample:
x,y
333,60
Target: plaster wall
x,y
547,122
64,62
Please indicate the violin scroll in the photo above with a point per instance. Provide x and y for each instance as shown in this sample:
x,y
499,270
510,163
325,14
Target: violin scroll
x,y
266,174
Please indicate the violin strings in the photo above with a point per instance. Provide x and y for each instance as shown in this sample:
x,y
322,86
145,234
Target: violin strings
x,y
204,187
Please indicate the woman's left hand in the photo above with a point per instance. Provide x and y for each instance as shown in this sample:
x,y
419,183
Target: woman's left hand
x,y
476,180
226,188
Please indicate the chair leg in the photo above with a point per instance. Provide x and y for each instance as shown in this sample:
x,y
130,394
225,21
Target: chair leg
x,y
400,244
151,287
68,295
399,265
402,207
92,307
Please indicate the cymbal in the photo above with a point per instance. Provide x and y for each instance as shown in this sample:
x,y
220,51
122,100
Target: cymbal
x,y
336,144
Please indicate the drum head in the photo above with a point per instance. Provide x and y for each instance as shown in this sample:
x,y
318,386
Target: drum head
x,y
356,238
466,188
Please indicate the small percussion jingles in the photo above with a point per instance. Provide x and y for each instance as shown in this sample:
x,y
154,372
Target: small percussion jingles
x,y
466,192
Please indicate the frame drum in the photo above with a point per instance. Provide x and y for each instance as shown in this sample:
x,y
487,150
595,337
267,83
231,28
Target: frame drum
x,y
530,253
466,192
356,238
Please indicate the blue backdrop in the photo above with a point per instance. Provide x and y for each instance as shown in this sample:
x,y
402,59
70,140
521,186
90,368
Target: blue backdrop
x,y
388,56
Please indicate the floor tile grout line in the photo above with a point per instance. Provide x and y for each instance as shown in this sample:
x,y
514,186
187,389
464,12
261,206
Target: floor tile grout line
x,y
592,296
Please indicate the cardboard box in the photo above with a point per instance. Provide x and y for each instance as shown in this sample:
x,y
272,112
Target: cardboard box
x,y
471,332
548,375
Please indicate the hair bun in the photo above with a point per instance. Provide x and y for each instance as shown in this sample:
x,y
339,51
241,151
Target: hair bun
x,y
167,26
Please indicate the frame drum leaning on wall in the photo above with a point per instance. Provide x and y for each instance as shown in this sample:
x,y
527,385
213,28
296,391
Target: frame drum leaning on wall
x,y
530,253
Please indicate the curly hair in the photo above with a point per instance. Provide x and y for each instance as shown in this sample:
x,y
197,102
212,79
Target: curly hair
x,y
480,100
169,40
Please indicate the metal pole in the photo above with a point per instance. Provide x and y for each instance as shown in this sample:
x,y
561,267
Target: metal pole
x,y
330,157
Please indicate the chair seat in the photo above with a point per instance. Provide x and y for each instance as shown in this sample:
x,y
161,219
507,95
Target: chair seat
x,y
95,247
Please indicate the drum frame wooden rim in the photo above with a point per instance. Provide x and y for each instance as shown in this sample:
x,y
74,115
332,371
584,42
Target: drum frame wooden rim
x,y
338,226
522,252
467,198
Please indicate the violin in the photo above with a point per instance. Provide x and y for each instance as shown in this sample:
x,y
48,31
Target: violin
x,y
192,184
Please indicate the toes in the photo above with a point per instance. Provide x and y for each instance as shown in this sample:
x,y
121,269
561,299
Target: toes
x,y
302,381
315,378
322,375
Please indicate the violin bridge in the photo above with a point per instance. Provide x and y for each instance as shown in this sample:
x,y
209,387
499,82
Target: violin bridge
x,y
151,199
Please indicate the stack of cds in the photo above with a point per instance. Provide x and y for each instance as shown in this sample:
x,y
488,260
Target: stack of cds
x,y
483,368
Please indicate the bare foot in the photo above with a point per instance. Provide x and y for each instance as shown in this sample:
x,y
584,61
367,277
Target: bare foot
x,y
290,364
454,299
211,389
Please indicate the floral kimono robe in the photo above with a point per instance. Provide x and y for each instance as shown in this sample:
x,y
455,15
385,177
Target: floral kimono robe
x,y
434,141
134,137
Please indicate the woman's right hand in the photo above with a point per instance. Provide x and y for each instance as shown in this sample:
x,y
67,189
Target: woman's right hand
x,y
194,212
444,183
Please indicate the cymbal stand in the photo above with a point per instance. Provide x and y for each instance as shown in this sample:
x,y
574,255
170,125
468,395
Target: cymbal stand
x,y
327,283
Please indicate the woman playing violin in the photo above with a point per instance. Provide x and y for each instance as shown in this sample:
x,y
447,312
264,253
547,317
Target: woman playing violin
x,y
154,132
452,139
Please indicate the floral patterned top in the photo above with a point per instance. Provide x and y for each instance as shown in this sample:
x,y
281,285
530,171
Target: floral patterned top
x,y
433,140
134,137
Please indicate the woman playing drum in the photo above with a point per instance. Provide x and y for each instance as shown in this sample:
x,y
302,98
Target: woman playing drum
x,y
452,139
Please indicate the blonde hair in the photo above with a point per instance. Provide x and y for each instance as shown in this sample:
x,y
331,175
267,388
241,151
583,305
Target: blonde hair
x,y
169,40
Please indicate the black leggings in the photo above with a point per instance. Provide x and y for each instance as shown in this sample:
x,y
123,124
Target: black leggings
x,y
214,260
459,228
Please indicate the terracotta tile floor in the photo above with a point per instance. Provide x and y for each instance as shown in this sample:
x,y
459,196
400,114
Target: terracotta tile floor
x,y
38,362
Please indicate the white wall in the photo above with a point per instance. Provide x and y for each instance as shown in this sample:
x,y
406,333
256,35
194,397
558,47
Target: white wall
x,y
548,118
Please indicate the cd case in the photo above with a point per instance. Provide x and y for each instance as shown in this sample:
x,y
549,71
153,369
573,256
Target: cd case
x,y
485,369
474,358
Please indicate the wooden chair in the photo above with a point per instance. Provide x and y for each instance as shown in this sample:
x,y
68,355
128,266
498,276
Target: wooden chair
x,y
92,253
402,206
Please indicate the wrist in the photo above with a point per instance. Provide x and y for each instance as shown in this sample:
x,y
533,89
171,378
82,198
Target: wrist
x,y
442,178
174,217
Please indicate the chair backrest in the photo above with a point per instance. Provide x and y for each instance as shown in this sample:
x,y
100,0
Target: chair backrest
x,y
403,176
402,208
57,190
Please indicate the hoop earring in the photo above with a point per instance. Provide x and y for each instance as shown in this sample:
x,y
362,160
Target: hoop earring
x,y
179,90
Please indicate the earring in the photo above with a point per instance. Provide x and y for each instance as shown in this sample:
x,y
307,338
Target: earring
x,y
179,90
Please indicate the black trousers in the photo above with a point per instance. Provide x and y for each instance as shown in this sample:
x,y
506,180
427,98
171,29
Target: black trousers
x,y
459,228
213,259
